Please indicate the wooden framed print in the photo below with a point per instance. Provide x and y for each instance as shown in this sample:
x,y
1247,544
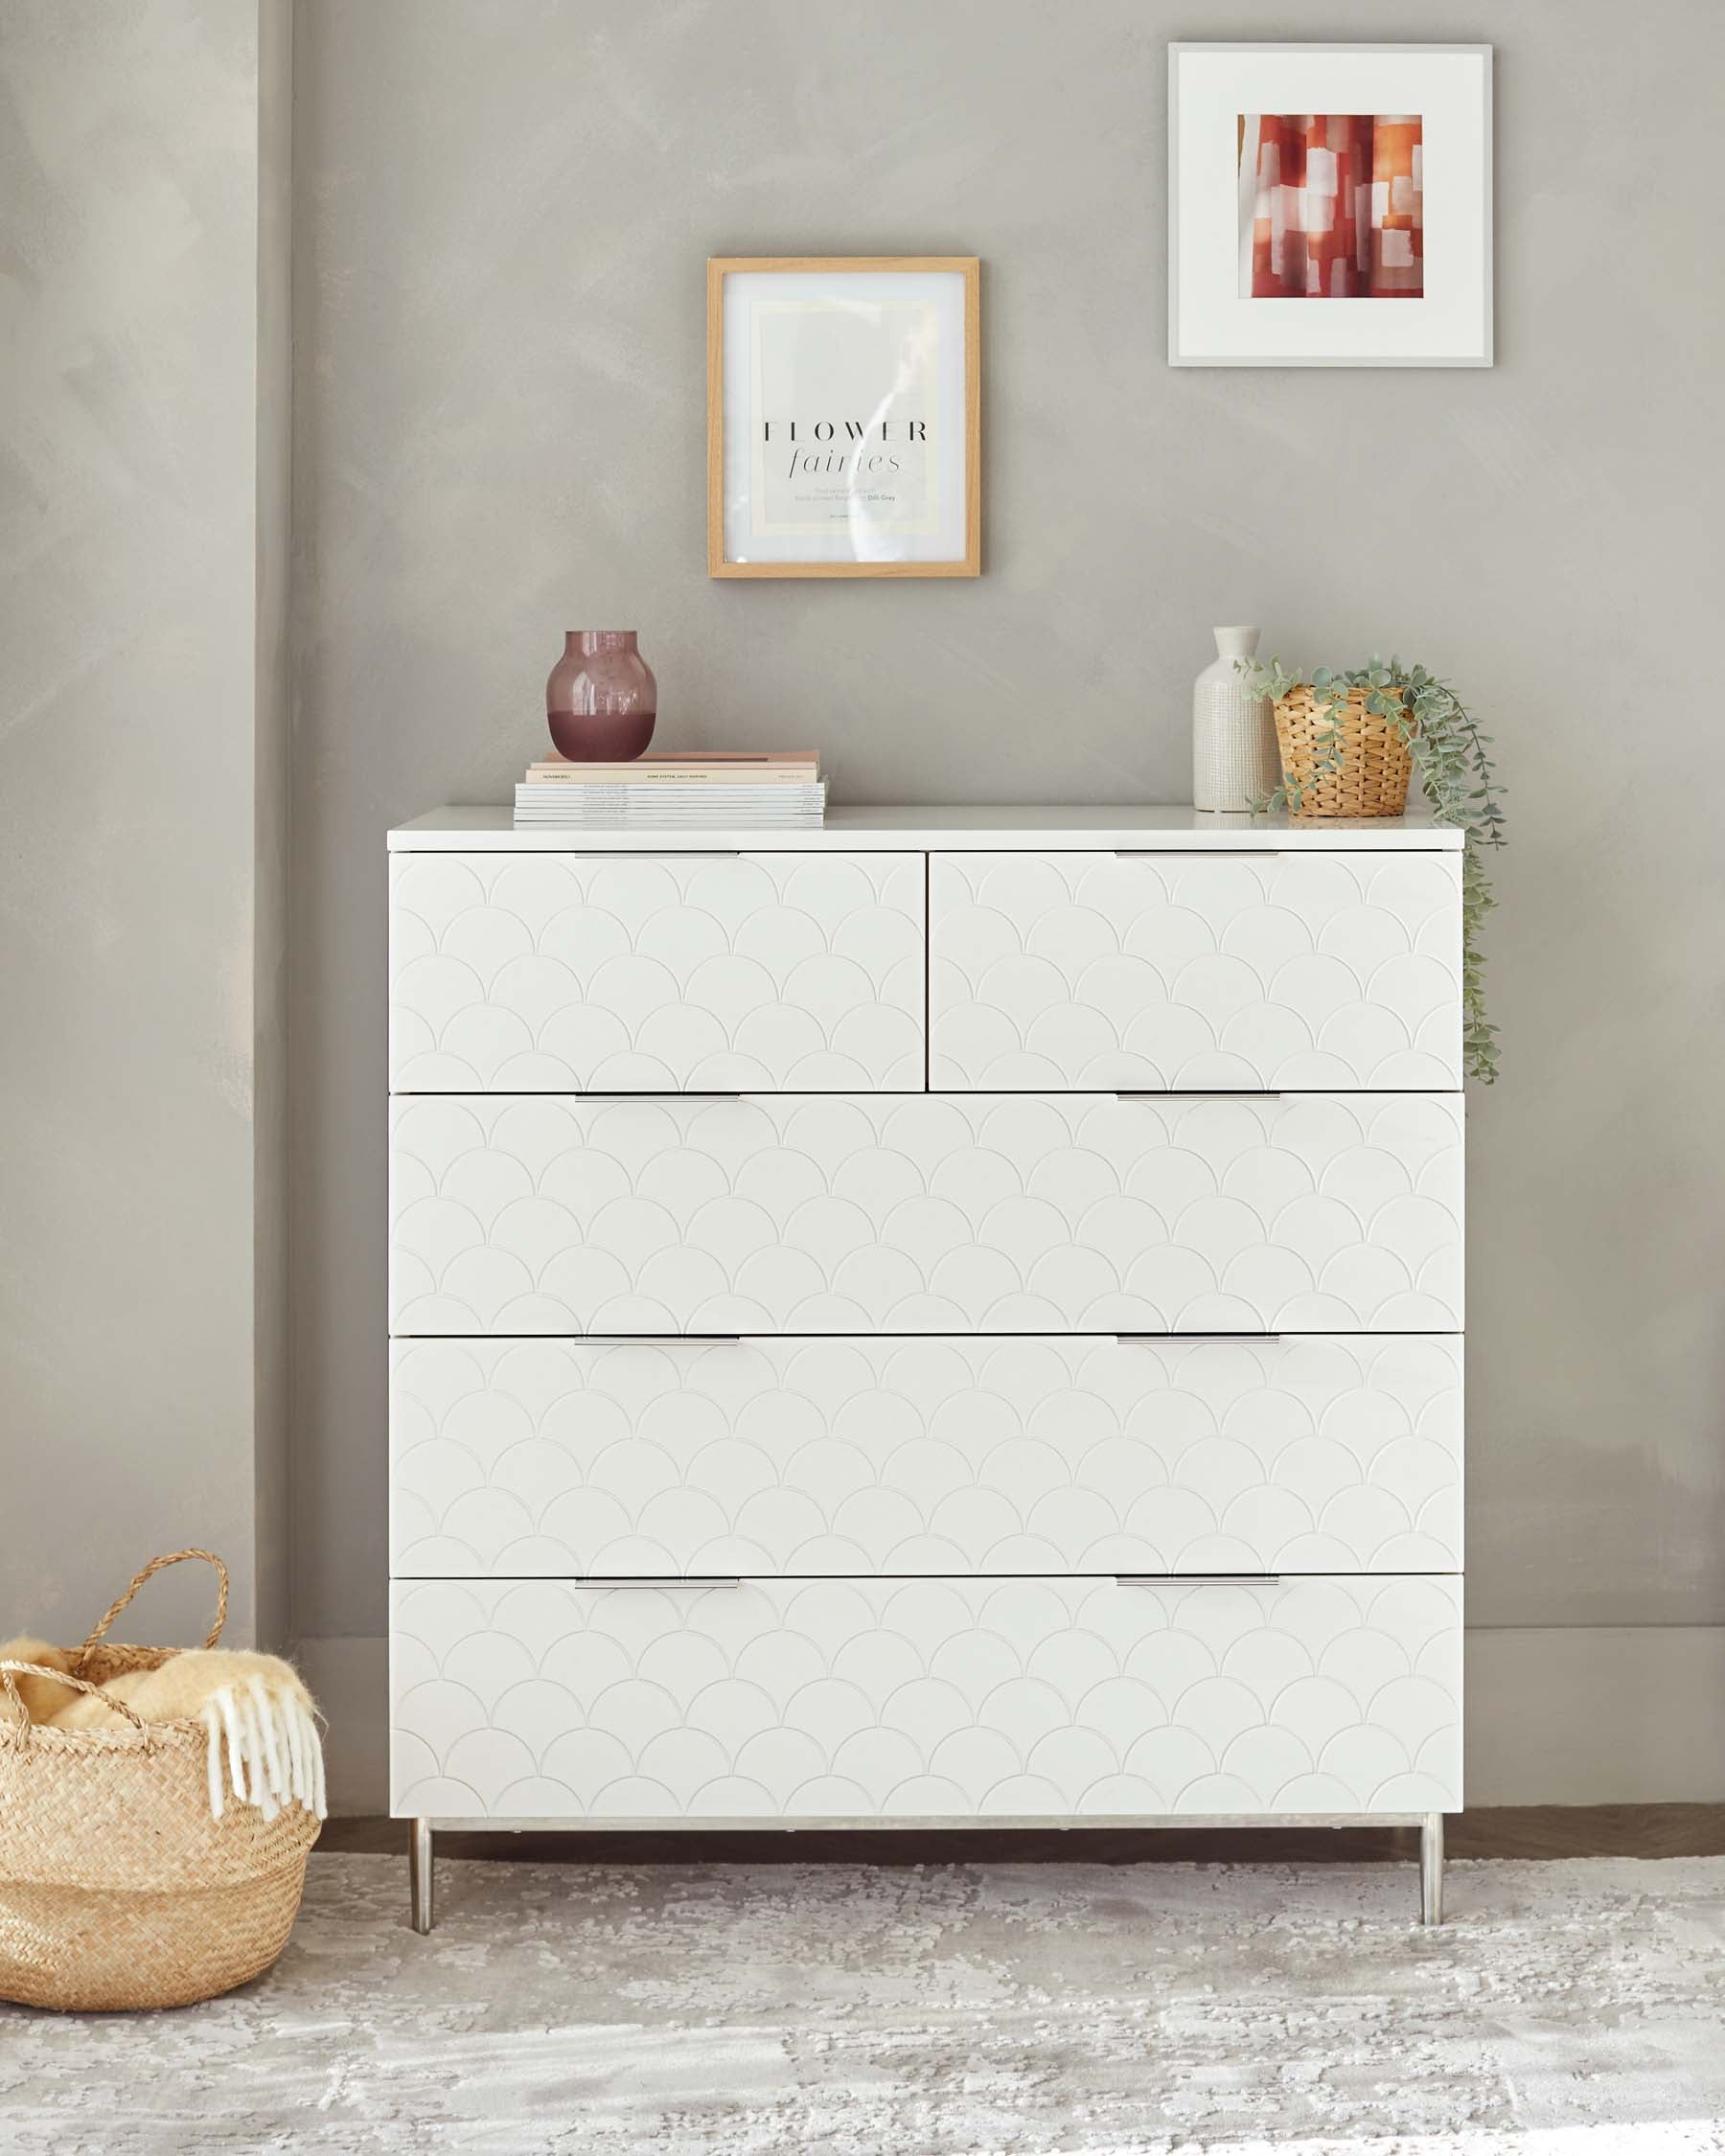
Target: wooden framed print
x,y
1330,205
843,416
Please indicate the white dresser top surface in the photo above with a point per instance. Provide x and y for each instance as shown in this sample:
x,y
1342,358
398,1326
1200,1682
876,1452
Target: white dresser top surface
x,y
944,829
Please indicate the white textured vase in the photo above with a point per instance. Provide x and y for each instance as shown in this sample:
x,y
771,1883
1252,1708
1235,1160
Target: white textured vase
x,y
1234,757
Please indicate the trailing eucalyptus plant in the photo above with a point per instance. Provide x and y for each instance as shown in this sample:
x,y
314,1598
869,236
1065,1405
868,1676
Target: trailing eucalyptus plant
x,y
1451,757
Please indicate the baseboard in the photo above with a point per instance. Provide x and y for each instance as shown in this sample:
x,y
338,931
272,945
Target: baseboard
x,y
1597,1714
1538,1833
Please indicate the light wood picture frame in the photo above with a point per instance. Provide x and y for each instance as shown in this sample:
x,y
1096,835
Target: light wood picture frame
x,y
845,430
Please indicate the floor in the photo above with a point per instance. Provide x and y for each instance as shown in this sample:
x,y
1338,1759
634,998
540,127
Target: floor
x,y
714,2009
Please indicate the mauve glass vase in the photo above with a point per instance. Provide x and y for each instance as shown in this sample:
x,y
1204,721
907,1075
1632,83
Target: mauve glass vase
x,y
601,699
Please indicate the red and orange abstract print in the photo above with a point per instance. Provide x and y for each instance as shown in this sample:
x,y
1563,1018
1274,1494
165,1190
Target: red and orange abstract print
x,y
1331,206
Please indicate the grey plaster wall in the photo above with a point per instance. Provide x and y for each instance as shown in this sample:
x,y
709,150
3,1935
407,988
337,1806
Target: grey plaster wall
x,y
272,737
502,214
132,1237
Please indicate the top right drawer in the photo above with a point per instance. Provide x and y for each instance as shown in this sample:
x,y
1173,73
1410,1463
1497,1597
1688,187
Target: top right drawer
x,y
1195,972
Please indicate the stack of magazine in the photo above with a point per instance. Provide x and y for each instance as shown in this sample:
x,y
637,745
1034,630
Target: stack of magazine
x,y
666,790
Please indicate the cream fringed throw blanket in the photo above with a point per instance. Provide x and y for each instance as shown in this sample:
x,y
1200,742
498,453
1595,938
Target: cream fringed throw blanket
x,y
263,1748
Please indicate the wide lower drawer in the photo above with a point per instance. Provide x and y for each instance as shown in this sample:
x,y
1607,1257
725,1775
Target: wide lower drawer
x,y
647,973
1315,1212
936,1699
550,1457
1149,970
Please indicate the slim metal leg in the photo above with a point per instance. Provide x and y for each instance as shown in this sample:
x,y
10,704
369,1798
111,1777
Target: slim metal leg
x,y
1431,1869
419,1873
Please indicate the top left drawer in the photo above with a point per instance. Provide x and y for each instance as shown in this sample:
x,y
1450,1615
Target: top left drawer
x,y
656,973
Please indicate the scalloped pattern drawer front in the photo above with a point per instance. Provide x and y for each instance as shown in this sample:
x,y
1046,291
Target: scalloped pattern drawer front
x,y
571,973
518,1458
1294,971
930,1699
1323,1212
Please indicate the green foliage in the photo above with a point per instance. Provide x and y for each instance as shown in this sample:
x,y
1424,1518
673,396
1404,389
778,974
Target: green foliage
x,y
1452,760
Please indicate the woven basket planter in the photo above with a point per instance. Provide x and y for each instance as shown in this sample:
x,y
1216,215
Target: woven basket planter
x,y
118,1890
1376,763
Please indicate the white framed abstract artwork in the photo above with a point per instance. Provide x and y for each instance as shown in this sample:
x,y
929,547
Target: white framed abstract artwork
x,y
1330,205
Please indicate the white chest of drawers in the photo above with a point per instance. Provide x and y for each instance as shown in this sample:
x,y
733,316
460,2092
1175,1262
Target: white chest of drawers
x,y
955,1318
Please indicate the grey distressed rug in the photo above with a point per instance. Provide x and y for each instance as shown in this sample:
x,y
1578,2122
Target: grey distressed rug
x,y
940,2011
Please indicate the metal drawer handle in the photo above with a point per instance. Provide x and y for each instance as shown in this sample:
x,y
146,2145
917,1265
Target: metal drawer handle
x,y
1201,853
660,1096
691,1584
1175,1094
1196,1579
655,1340
1191,1339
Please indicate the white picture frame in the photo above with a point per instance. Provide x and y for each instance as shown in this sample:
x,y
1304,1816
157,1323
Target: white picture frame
x,y
1214,318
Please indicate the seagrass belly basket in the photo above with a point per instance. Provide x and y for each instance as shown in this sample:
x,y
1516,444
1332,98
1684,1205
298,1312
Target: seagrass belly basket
x,y
119,1886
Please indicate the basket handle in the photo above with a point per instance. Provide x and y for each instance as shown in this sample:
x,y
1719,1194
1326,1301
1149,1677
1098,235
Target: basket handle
x,y
25,1724
157,1564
